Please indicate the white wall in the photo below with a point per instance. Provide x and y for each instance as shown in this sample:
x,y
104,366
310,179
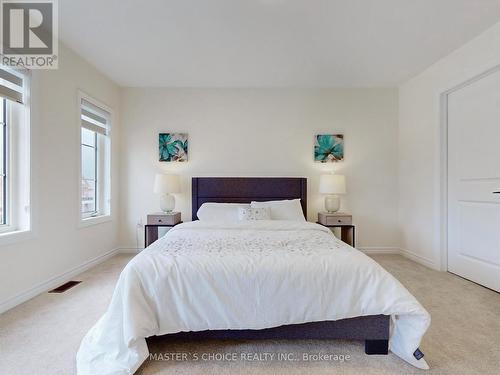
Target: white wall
x,y
58,245
420,143
264,132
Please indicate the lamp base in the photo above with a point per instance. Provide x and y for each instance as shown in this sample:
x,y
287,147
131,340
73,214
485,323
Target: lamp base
x,y
332,203
167,203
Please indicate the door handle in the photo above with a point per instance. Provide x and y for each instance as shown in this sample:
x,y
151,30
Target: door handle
x,y
496,192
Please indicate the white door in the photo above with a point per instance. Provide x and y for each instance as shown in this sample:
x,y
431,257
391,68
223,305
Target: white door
x,y
474,181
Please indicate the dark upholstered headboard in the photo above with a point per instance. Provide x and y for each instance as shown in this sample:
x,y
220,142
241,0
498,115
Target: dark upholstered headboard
x,y
247,189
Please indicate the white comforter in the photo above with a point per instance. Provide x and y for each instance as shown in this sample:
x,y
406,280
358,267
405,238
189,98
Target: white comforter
x,y
244,275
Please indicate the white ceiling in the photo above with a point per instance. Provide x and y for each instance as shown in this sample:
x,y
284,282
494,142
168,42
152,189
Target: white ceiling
x,y
269,43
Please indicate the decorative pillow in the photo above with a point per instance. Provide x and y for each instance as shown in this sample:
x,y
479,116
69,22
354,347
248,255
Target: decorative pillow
x,y
250,213
283,210
220,211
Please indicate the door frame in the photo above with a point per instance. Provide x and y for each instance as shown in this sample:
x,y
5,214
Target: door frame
x,y
443,164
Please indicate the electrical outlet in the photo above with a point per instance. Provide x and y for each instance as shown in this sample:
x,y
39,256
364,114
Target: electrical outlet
x,y
139,223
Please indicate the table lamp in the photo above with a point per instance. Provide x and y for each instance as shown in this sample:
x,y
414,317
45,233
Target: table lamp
x,y
332,184
165,184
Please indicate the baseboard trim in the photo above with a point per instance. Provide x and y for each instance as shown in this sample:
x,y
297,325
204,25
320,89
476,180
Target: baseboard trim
x,y
419,259
53,282
379,250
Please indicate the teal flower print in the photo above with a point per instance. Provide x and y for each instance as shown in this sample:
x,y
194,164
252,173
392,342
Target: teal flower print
x,y
173,147
329,148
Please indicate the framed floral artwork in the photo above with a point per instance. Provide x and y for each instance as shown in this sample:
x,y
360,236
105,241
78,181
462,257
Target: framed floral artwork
x,y
328,148
173,146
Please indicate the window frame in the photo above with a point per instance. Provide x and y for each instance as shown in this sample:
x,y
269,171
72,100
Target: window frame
x,y
103,161
6,226
18,161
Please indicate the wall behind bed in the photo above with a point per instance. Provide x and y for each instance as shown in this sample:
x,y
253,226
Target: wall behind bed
x,y
264,132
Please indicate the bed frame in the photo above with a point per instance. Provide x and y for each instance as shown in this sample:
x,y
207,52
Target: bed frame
x,y
246,189
373,329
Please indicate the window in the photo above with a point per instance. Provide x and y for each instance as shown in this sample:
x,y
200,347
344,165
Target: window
x,y
14,152
95,143
89,172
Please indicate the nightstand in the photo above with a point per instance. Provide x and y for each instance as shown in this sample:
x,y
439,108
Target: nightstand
x,y
157,221
340,220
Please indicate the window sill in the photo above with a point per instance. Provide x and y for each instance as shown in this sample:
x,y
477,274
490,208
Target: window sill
x,y
8,238
94,221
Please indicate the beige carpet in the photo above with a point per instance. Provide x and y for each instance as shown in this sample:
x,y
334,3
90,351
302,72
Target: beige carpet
x,y
42,335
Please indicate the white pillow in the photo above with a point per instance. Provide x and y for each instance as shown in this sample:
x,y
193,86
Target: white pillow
x,y
249,213
220,211
283,210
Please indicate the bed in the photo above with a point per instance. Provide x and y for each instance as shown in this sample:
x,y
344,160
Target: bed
x,y
374,330
261,280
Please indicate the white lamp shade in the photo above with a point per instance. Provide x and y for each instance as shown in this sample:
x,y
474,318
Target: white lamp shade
x,y
167,183
332,184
